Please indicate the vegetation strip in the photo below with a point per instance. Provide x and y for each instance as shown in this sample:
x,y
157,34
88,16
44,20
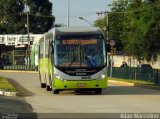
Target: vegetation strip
x,y
6,88
132,82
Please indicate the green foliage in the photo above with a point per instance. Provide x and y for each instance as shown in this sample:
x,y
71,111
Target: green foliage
x,y
10,17
41,19
136,24
13,16
133,81
5,85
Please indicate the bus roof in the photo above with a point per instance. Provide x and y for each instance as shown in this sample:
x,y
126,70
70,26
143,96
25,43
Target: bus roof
x,y
78,31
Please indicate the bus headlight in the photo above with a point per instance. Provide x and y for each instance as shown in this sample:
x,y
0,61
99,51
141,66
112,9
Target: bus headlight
x,y
58,77
103,76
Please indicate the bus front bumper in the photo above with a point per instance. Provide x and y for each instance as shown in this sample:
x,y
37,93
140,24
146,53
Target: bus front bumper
x,y
80,84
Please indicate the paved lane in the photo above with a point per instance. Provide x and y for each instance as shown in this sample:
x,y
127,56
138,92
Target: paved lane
x,y
115,99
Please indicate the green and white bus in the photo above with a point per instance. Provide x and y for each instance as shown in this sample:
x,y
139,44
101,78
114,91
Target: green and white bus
x,y
72,58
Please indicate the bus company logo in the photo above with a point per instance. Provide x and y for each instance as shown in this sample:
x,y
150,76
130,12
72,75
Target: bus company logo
x,y
81,74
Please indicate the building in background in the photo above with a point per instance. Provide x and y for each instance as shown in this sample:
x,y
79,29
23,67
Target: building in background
x,y
14,49
131,61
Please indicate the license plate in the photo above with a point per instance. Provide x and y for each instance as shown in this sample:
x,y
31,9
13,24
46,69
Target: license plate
x,y
86,77
81,84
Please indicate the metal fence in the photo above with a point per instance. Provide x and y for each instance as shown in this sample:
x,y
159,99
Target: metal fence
x,y
19,67
149,75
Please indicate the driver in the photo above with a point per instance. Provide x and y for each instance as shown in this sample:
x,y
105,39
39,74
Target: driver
x,y
91,58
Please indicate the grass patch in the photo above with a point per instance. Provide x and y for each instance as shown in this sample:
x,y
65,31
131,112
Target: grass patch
x,y
5,85
133,81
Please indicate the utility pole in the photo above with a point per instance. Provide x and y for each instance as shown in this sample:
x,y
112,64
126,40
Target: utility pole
x,y
106,28
101,13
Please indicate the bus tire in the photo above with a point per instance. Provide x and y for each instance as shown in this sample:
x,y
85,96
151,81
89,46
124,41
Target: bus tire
x,y
48,88
43,85
98,91
56,91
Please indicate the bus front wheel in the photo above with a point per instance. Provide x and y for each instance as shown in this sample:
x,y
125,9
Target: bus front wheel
x,y
56,91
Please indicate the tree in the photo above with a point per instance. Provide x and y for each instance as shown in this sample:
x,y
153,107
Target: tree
x,y
10,17
115,25
136,25
13,16
40,15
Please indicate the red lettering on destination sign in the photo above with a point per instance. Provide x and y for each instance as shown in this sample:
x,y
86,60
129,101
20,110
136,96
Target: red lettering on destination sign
x,y
75,42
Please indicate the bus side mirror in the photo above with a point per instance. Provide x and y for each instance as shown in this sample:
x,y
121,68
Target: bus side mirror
x,y
108,47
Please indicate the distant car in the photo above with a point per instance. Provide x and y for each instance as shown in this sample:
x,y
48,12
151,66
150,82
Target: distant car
x,y
145,72
145,68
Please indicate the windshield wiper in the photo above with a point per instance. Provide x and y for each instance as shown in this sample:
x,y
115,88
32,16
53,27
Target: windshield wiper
x,y
73,60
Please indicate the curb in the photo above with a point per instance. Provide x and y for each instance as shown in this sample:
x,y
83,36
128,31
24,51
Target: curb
x,y
121,83
18,71
6,93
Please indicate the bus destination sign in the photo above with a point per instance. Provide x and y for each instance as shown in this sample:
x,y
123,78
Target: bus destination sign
x,y
76,42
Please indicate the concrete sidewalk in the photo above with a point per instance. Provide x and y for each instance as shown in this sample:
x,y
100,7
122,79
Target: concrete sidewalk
x,y
122,83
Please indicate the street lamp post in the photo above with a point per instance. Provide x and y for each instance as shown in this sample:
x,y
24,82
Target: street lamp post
x,y
27,28
28,39
85,20
68,13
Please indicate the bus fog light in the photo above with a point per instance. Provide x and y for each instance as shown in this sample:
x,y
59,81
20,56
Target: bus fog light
x,y
62,79
103,76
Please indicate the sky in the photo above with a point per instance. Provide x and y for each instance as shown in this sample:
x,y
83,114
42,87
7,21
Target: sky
x,y
83,8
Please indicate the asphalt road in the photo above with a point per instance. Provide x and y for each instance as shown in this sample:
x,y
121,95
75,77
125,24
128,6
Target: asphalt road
x,y
114,99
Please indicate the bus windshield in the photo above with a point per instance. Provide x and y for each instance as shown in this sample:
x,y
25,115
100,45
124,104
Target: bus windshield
x,y
79,51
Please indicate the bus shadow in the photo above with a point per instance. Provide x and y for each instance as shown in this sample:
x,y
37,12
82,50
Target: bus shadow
x,y
129,90
110,90
17,107
20,89
121,90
